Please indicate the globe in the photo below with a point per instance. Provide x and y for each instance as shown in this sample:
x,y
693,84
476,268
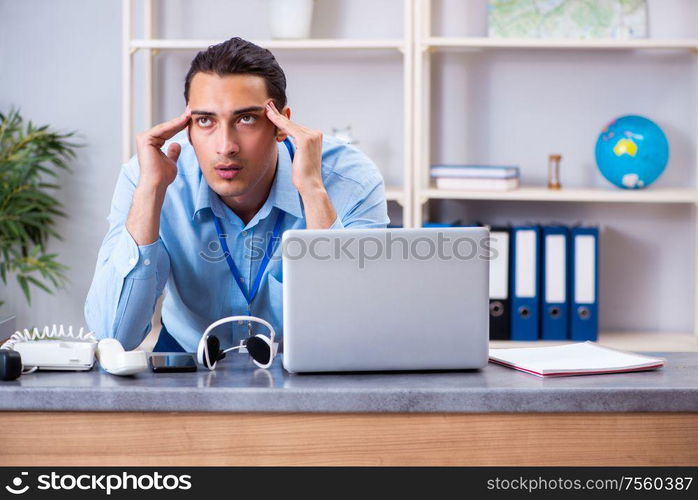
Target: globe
x,y
632,152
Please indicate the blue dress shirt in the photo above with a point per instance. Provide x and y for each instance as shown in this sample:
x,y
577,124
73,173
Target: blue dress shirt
x,y
187,260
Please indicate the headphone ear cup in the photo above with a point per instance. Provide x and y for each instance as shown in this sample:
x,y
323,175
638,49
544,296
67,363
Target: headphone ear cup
x,y
209,352
260,349
214,348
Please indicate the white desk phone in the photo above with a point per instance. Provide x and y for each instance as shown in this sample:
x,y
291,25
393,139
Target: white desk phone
x,y
58,348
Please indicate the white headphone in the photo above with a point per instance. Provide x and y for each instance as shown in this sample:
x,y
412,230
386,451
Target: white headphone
x,y
260,347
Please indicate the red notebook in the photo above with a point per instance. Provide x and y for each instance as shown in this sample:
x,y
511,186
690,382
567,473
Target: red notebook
x,y
582,358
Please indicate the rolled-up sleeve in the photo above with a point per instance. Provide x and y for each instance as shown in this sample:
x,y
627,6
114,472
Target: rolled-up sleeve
x,y
128,278
367,208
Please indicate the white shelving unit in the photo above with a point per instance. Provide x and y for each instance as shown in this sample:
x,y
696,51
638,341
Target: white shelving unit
x,y
528,193
630,341
426,44
152,46
416,47
527,43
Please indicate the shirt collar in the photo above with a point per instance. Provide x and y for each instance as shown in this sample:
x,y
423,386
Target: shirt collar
x,y
283,193
206,198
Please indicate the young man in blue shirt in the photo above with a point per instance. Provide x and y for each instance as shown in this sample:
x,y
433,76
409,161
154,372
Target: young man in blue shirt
x,y
224,173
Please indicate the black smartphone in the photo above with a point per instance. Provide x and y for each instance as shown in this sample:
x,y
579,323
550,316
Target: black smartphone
x,y
173,362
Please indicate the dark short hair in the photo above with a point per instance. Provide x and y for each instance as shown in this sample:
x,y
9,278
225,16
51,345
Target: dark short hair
x,y
240,57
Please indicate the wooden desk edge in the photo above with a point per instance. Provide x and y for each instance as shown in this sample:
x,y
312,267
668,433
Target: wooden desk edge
x,y
447,439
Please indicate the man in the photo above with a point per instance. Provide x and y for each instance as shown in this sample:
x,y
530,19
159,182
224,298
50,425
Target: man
x,y
229,181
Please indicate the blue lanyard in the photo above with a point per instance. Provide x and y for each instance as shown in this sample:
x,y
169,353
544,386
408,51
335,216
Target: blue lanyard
x,y
249,296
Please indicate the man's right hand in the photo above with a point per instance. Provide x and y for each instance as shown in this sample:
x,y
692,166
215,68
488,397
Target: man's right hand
x,y
159,170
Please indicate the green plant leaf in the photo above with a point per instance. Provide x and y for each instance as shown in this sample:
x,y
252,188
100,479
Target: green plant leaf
x,y
25,288
30,156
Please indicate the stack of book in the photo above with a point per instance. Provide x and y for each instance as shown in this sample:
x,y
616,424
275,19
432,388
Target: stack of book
x,y
475,177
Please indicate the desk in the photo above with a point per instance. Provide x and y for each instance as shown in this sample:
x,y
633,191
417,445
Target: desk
x,y
239,415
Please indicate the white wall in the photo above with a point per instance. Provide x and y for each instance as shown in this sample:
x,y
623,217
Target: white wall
x,y
60,62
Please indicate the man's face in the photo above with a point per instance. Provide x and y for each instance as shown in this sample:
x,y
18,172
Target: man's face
x,y
234,141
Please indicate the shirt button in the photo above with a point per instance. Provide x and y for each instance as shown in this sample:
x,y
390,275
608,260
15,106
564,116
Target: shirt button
x,y
242,280
244,233
132,261
146,262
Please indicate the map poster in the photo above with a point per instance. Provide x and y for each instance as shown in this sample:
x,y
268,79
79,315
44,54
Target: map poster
x,y
619,19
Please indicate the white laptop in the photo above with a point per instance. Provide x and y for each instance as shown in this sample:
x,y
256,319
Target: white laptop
x,y
385,299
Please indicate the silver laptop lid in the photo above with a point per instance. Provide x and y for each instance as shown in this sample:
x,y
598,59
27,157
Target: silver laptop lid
x,y
385,299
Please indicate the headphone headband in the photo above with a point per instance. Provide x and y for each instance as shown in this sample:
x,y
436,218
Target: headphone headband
x,y
230,319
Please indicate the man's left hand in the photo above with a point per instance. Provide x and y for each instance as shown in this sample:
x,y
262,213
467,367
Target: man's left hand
x,y
307,170
307,164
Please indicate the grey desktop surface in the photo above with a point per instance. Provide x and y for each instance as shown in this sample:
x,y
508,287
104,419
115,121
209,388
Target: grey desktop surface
x,y
237,386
